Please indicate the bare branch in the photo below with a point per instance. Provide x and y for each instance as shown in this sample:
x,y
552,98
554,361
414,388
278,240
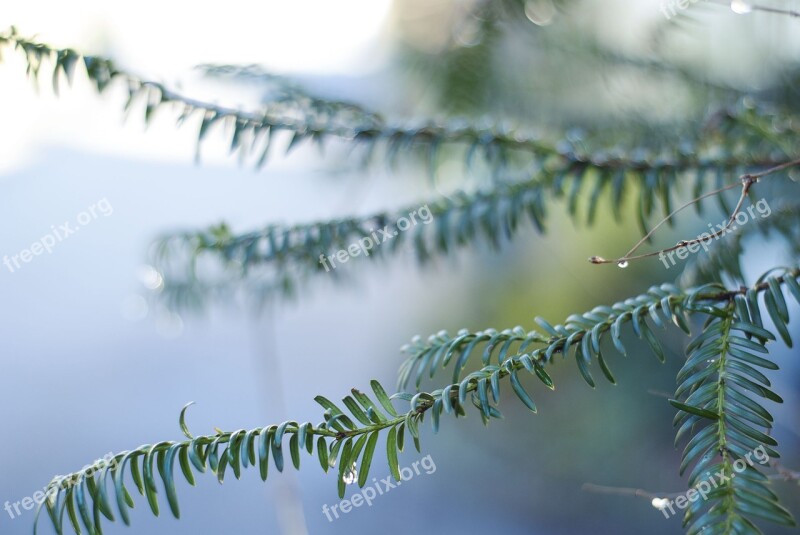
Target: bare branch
x,y
747,181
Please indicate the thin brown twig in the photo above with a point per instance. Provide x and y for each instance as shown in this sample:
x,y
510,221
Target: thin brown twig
x,y
671,215
783,474
747,181
660,394
627,491
766,9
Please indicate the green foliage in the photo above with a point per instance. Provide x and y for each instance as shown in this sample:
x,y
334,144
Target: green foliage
x,y
283,91
720,413
277,257
582,334
716,383
724,423
745,144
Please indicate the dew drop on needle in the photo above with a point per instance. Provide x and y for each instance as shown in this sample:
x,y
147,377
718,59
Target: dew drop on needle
x,y
350,476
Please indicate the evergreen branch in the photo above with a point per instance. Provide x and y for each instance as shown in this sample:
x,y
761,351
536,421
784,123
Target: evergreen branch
x,y
757,125
278,256
251,128
726,425
498,146
348,439
491,215
585,333
337,439
281,89
719,385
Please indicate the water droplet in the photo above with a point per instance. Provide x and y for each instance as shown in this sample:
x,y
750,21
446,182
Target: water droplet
x,y
540,12
622,264
659,503
151,278
351,476
741,7
469,33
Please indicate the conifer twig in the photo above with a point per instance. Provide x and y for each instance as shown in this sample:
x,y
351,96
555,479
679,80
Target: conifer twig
x,y
747,181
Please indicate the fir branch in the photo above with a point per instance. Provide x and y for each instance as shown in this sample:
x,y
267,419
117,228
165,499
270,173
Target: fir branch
x,y
283,90
444,225
279,257
347,439
583,334
718,386
718,412
498,145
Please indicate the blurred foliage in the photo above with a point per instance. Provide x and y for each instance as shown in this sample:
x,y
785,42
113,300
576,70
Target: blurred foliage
x,y
655,128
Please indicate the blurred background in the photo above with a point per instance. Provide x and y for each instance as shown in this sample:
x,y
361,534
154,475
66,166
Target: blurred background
x,y
92,364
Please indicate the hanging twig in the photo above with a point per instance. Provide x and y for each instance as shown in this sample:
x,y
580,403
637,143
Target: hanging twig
x,y
756,7
746,182
784,473
627,491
